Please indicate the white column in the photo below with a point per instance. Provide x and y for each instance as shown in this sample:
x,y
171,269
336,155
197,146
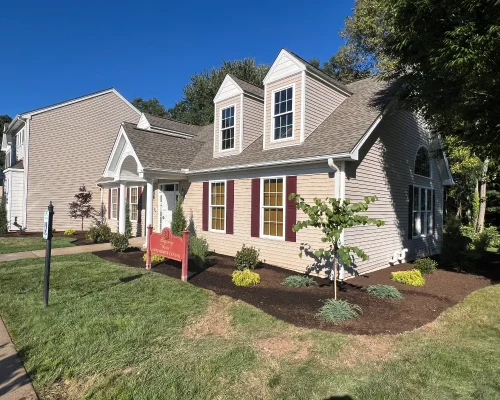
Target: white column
x,y
121,211
149,205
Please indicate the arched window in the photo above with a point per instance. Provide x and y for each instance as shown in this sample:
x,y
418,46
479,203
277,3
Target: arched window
x,y
422,164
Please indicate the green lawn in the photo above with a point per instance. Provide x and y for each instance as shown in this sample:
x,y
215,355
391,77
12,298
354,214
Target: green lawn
x,y
16,244
113,332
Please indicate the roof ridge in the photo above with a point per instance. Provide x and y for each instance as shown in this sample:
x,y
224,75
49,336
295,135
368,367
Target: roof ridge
x,y
243,80
193,138
173,120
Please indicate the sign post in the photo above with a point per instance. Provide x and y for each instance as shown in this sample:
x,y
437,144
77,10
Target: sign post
x,y
47,235
167,245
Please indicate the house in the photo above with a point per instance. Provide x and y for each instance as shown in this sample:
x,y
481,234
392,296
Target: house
x,y
53,150
303,132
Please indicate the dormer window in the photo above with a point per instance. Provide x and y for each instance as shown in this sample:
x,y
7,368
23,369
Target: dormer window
x,y
422,163
227,128
283,114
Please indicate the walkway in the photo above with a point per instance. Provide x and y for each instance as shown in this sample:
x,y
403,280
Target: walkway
x,y
14,381
64,251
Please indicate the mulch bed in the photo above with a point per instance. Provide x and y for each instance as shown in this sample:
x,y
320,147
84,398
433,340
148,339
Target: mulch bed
x,y
80,237
299,306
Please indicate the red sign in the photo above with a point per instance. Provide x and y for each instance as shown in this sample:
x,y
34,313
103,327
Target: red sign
x,y
167,245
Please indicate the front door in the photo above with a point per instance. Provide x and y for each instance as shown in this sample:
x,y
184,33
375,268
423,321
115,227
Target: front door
x,y
167,199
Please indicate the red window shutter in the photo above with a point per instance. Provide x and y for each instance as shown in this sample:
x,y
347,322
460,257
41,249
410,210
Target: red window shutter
x,y
230,207
291,210
139,204
255,208
109,203
205,207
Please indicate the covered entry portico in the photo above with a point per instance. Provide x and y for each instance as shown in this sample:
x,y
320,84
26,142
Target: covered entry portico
x,y
150,192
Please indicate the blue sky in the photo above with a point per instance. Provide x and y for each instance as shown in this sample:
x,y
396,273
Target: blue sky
x,y
56,50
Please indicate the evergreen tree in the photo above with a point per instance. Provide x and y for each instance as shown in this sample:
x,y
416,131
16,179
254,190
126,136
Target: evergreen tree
x,y
179,222
3,217
128,223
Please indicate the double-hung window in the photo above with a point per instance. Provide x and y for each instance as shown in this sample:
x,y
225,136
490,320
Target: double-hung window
x,y
423,211
114,203
218,206
227,128
134,202
272,207
283,114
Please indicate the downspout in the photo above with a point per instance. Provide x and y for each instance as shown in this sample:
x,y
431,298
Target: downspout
x,y
337,183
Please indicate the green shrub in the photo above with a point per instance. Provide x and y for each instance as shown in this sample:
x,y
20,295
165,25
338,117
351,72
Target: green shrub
x,y
338,311
69,232
119,242
298,281
53,230
412,277
425,265
3,217
128,223
247,258
99,233
384,291
198,250
155,258
245,278
179,222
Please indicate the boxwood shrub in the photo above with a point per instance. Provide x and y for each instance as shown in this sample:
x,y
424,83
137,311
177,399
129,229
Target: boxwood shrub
x,y
247,258
425,265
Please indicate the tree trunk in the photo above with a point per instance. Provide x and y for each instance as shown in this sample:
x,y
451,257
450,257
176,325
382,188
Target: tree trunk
x,y
335,263
82,224
482,197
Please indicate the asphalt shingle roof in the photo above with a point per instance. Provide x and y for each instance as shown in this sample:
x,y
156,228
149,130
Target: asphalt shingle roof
x,y
158,150
248,87
171,125
338,134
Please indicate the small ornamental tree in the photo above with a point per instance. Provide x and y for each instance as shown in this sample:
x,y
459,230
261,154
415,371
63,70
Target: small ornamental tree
x,y
332,216
81,207
179,222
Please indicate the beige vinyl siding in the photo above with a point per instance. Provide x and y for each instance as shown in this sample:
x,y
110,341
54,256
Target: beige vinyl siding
x,y
321,100
69,146
310,184
385,169
137,230
269,104
253,115
236,102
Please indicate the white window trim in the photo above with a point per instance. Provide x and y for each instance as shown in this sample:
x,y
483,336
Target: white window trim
x,y
273,140
220,129
423,235
210,206
261,208
130,203
415,163
117,202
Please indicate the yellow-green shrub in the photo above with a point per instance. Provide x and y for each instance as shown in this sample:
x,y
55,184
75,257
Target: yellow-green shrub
x,y
69,232
412,277
155,258
245,278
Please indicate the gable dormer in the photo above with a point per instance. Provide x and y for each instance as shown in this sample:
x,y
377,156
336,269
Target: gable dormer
x,y
298,98
238,110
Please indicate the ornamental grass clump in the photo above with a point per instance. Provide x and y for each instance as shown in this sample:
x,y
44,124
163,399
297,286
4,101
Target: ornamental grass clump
x,y
425,265
337,311
298,281
386,291
245,278
412,277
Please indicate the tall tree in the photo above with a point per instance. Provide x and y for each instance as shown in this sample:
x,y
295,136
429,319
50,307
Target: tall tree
x,y
151,106
196,106
445,54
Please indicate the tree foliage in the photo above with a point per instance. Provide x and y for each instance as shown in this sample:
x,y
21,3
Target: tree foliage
x,y
81,207
179,222
128,222
151,106
196,106
445,54
332,216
